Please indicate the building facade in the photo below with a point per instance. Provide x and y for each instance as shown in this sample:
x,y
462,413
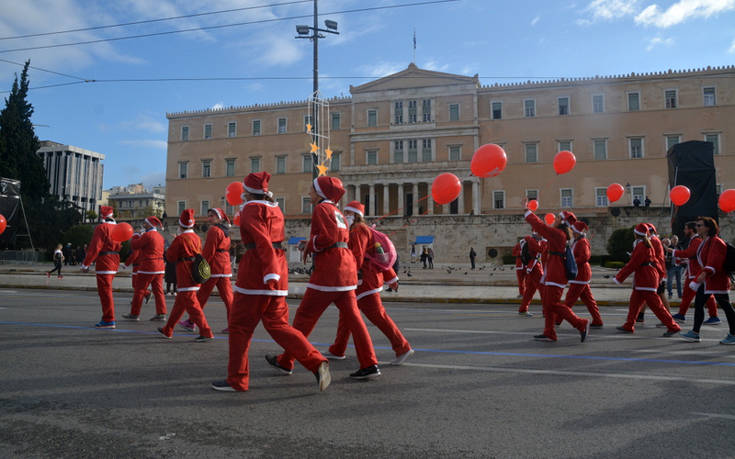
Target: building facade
x,y
75,174
135,202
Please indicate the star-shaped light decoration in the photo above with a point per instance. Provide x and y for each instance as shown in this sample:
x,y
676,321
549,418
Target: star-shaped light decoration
x,y
314,148
322,169
329,153
308,128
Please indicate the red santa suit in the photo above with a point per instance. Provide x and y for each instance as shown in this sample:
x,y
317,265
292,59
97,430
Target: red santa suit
x,y
105,254
183,250
520,269
151,268
217,253
643,265
261,288
711,255
579,288
693,268
131,261
533,272
369,285
334,278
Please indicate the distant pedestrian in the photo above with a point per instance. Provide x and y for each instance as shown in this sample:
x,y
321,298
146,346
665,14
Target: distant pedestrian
x,y
424,257
636,202
413,253
58,260
647,202
430,258
81,253
473,254
67,252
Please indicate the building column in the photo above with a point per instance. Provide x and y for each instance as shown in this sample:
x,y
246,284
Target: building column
x,y
476,197
371,199
460,198
429,200
351,192
386,198
415,198
401,211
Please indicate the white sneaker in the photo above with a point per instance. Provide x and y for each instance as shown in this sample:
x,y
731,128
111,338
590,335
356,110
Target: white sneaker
x,y
402,358
323,376
331,356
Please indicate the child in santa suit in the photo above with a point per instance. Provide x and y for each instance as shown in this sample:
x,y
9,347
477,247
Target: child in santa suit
x,y
644,265
658,249
533,273
520,269
104,252
579,288
261,289
151,269
334,278
183,250
369,285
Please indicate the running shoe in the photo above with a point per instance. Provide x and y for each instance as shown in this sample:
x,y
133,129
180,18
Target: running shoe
x,y
690,336
729,339
679,318
331,356
402,358
366,373
543,338
596,326
203,339
187,325
323,376
163,334
223,386
525,314
158,318
583,333
103,324
131,317
713,321
273,361
623,329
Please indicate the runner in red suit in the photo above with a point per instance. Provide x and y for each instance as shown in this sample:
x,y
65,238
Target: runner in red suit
x,y
520,269
150,272
533,273
579,288
658,248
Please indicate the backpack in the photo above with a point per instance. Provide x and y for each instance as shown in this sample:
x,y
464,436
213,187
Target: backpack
x,y
200,270
570,264
385,254
525,253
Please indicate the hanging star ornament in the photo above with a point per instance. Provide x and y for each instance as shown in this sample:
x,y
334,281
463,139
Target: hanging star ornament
x,y
329,153
314,148
308,128
322,169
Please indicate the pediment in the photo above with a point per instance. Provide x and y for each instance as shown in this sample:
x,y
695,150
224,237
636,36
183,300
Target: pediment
x,y
414,77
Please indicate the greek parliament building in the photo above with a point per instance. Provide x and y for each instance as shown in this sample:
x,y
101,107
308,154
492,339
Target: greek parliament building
x,y
394,135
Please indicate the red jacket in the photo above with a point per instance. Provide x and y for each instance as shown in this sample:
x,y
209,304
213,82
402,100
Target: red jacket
x,y
150,257
555,274
263,269
217,252
690,254
517,253
101,243
186,245
658,249
711,255
372,277
131,260
535,248
643,265
582,253
335,269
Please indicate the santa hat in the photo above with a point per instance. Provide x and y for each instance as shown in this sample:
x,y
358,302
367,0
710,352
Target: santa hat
x,y
220,214
568,217
329,188
641,229
651,228
136,235
580,227
153,221
356,207
257,183
186,219
106,212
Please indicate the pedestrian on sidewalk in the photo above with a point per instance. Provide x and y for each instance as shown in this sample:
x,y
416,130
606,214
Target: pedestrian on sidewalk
x,y
473,254
430,257
104,252
413,253
424,257
58,260
579,287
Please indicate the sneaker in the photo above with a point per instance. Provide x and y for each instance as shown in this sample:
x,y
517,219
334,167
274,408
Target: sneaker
x,y
596,326
273,361
331,356
59,276
225,331
690,336
187,325
323,376
729,339
525,314
147,297
131,317
660,325
583,333
223,386
164,335
679,318
366,373
641,318
103,324
543,338
203,339
402,358
158,318
623,329
670,333
713,321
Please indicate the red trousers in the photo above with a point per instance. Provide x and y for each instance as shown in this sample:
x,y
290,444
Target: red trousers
x,y
688,296
104,290
553,306
247,311
583,292
637,300
521,276
373,309
224,287
533,282
312,307
187,301
141,289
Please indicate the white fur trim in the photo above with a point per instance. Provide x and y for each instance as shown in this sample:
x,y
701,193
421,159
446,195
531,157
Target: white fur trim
x,y
617,281
150,223
253,190
711,269
85,267
579,282
355,210
555,284
220,275
716,292
528,212
271,276
331,288
187,231
639,233
574,228
369,292
394,280
519,268
246,291
694,285
318,189
151,272
187,289
184,225
105,272
219,215
646,289
265,203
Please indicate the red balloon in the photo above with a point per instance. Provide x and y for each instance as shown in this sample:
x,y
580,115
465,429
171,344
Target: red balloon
x,y
564,162
233,193
446,188
122,232
549,219
615,192
726,202
533,205
488,161
236,220
680,195
3,223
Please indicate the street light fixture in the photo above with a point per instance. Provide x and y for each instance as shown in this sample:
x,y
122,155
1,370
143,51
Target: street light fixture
x,y
302,30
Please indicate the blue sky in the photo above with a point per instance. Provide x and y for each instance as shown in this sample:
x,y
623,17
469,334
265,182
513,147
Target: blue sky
x,y
530,39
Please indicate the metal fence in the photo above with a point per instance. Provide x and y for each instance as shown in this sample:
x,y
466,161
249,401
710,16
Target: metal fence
x,y
19,256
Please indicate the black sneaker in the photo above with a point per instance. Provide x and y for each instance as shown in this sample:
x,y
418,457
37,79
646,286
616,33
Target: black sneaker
x,y
670,333
273,361
543,338
223,386
131,317
163,334
596,326
158,318
641,318
623,329
323,376
366,373
583,333
203,339
147,297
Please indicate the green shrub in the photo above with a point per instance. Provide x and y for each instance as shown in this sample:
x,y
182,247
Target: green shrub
x,y
614,264
78,235
620,243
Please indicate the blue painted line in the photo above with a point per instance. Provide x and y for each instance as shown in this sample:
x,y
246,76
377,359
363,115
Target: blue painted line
x,y
427,350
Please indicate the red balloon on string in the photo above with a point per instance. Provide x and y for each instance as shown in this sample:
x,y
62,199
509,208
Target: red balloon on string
x,y
446,188
3,223
236,220
122,232
615,192
488,161
533,205
549,219
233,193
680,195
564,162
726,202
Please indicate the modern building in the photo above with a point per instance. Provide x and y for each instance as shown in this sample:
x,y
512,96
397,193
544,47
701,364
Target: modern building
x,y
135,202
75,174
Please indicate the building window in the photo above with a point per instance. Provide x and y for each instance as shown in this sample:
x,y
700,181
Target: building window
x,y
601,197
282,204
305,205
426,151
563,105
532,194
455,152
230,167
499,199
205,208
371,157
529,108
426,110
255,164
183,169
635,147
413,152
531,152
306,165
600,148
672,140
398,151
335,121
308,123
496,109
398,112
230,209
335,163
281,164
180,206
282,125
638,192
710,99
372,117
564,145
453,112
634,101
670,96
231,129
184,133
256,127
598,103
567,198
412,111
714,139
206,168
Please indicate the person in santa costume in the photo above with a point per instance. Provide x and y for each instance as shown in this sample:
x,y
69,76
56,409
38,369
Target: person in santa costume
x,y
217,253
658,248
132,261
533,272
713,280
644,265
333,279
184,250
520,269
555,277
104,252
579,287
261,289
369,285
151,269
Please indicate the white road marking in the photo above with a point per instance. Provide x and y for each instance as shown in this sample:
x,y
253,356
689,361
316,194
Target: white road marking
x,y
592,334
729,417
705,352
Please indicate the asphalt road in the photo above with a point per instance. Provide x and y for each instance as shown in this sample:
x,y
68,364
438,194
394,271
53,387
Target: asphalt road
x,y
478,386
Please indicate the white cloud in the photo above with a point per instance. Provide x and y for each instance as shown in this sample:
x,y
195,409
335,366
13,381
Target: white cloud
x,y
279,50
145,122
681,11
431,64
607,10
381,69
155,179
535,20
732,47
658,41
218,106
146,144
